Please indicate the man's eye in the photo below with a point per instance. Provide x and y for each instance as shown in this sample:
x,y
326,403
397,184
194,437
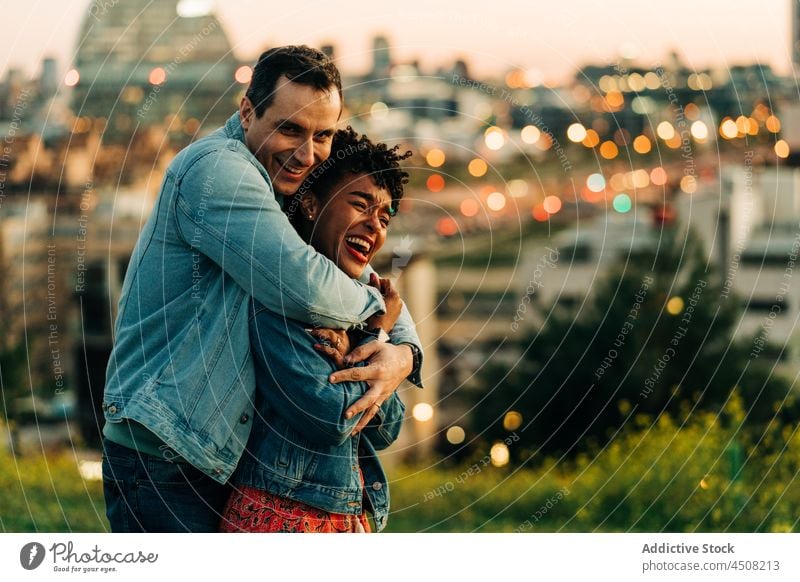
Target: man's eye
x,y
385,222
360,205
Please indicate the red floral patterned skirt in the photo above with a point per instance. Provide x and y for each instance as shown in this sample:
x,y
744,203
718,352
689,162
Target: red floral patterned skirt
x,y
257,511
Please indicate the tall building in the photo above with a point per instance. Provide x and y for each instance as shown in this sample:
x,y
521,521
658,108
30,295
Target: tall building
x,y
381,57
141,62
795,39
48,81
23,289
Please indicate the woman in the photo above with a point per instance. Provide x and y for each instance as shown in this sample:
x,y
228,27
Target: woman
x,y
304,470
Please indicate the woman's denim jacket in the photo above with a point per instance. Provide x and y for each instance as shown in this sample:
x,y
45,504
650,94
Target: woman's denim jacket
x,y
301,445
181,363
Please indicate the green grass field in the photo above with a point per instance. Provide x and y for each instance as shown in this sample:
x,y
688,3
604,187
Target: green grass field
x,y
657,476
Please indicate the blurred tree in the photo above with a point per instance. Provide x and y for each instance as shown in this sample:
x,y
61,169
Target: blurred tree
x,y
657,335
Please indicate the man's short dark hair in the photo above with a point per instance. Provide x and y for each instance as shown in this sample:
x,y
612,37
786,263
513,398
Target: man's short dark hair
x,y
357,154
300,64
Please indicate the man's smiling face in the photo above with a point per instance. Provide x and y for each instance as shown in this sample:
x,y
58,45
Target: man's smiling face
x,y
294,134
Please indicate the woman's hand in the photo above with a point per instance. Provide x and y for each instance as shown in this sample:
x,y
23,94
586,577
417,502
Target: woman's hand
x,y
334,343
393,303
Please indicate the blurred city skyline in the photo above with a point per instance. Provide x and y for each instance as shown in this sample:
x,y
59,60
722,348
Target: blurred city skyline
x,y
556,40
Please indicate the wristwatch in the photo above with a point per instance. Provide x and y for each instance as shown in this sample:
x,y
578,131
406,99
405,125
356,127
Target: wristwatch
x,y
417,362
378,333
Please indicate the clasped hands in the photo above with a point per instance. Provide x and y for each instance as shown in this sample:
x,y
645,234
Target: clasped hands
x,y
388,364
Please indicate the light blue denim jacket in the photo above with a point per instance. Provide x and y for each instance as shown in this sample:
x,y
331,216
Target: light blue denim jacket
x,y
301,445
181,365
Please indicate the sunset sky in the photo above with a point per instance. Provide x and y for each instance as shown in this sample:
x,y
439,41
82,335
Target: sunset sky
x,y
555,37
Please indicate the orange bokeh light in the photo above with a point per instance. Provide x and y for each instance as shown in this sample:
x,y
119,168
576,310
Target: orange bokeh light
x,y
243,74
157,76
539,213
658,176
72,77
469,207
446,226
552,204
592,138
435,183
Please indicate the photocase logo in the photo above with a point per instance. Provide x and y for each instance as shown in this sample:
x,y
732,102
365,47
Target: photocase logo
x,y
31,555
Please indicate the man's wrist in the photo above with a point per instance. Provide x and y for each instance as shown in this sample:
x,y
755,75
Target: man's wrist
x,y
416,363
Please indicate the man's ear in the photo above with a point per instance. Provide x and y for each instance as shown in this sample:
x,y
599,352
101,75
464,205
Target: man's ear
x,y
246,112
310,206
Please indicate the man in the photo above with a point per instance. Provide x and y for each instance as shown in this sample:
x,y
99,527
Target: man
x,y
179,390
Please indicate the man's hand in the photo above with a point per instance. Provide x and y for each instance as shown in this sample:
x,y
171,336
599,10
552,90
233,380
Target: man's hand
x,y
388,366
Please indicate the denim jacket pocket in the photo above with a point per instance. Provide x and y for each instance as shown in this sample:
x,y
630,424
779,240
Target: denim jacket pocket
x,y
297,458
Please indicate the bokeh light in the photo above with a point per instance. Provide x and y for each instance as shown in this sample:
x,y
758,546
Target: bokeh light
x,y
773,124
243,74
446,226
422,412
500,454
72,77
622,203
699,130
642,144
157,76
592,138
517,188
496,201
689,184
576,132
658,176
530,134
728,129
512,420
455,435
379,110
477,167
435,158
596,182
665,130
469,207
552,204
782,148
675,305
495,138
609,150
539,213
435,183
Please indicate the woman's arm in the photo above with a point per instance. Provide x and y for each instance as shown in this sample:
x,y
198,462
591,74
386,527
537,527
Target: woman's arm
x,y
292,377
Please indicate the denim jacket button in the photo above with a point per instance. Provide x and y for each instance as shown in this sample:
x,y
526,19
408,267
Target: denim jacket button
x,y
244,418
377,486
112,409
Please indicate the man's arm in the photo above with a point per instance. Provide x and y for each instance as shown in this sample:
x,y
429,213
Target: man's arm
x,y
227,210
298,388
403,332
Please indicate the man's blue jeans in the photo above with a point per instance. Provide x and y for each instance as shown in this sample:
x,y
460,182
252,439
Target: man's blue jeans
x,y
152,494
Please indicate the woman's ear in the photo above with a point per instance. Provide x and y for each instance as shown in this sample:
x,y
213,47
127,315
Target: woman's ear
x,y
309,204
